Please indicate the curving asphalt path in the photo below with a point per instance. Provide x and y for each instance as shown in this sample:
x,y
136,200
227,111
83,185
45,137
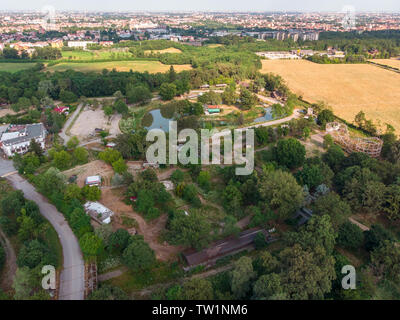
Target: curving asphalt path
x,y
72,282
63,133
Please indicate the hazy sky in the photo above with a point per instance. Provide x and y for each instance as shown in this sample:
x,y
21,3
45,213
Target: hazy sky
x,y
203,5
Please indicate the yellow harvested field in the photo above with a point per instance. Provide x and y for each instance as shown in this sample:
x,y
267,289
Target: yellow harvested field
x,y
347,88
394,63
215,45
169,50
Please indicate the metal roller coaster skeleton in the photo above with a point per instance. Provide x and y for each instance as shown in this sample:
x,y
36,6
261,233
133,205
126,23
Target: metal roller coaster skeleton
x,y
340,134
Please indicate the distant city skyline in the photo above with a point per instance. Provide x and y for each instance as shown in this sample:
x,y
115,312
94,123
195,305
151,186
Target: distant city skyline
x,y
205,5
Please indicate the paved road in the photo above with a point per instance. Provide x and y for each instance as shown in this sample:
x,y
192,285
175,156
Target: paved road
x,y
72,276
6,167
62,133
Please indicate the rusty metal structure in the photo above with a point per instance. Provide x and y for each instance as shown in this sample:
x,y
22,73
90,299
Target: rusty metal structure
x,y
340,134
90,278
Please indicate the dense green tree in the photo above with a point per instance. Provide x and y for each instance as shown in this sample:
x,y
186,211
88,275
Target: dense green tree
x,y
23,284
121,107
138,255
385,260
242,276
108,292
290,153
119,240
229,96
167,91
334,157
62,160
310,175
331,204
81,155
210,97
91,245
247,99
325,116
119,166
72,143
350,236
177,176
265,263
281,192
68,96
190,230
2,256
91,193
139,94
204,180
110,155
306,274
35,253
317,232
198,289
267,286
376,236
391,205
232,198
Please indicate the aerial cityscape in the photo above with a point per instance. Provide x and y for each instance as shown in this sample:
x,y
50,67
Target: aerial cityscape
x,y
183,154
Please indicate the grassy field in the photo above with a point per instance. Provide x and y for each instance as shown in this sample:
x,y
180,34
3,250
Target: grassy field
x,y
96,54
394,63
14,67
347,88
169,50
140,66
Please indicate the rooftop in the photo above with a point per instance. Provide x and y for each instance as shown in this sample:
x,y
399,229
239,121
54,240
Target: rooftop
x,y
17,134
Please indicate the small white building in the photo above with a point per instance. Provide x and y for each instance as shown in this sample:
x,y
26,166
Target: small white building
x,y
17,138
93,181
80,44
98,212
276,55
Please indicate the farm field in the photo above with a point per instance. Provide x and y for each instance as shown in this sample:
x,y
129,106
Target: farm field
x,y
394,63
140,66
15,66
347,88
168,50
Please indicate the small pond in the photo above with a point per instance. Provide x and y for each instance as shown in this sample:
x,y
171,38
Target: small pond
x,y
266,117
155,120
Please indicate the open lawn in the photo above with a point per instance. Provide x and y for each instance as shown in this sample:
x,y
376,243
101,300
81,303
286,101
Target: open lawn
x,y
394,63
116,53
14,67
140,66
169,50
347,88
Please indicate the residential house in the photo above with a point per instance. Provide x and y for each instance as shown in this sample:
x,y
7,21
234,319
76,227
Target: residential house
x,y
17,138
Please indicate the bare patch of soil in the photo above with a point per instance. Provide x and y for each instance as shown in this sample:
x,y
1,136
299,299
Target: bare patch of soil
x,y
151,231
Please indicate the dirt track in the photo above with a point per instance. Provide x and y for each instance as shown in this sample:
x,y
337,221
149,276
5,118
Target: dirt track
x,y
10,266
150,230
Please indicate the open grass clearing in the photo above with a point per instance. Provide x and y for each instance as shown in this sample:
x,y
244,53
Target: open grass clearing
x,y
122,66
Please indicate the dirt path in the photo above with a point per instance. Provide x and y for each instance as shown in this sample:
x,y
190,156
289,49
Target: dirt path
x,y
112,274
11,263
151,231
63,132
360,225
203,275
